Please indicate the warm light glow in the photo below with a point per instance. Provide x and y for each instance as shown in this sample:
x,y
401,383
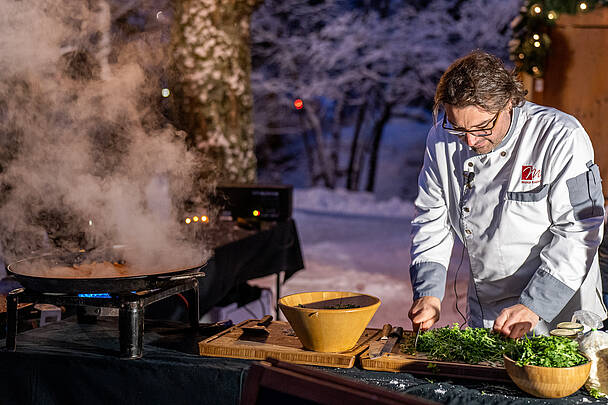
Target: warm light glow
x,y
583,6
537,9
165,93
256,213
536,37
195,219
204,218
552,15
536,44
298,103
535,69
188,220
521,56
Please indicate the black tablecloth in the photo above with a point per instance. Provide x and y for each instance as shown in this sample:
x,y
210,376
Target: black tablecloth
x,y
68,363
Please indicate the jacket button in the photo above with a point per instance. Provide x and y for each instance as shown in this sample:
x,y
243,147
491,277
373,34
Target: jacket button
x,y
470,164
503,153
466,209
467,231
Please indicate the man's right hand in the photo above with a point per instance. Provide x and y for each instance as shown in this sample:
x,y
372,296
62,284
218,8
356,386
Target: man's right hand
x,y
425,312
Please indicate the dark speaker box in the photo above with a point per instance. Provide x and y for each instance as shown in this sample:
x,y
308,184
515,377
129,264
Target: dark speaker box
x,y
265,202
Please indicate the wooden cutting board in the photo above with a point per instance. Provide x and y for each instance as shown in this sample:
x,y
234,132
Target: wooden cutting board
x,y
418,363
281,343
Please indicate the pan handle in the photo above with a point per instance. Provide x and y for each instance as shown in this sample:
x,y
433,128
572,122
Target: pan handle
x,y
197,274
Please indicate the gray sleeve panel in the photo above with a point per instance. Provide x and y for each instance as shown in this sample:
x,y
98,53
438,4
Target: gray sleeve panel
x,y
545,295
585,192
428,279
536,194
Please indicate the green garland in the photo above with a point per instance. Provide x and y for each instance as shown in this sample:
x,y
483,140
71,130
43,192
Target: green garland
x,y
531,41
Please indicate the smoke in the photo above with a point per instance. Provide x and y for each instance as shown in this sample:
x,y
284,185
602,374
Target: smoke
x,y
86,157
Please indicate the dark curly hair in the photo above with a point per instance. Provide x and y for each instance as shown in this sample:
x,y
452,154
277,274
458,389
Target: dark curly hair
x,y
479,79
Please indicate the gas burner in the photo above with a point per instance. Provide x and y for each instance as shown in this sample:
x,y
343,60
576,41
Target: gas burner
x,y
130,307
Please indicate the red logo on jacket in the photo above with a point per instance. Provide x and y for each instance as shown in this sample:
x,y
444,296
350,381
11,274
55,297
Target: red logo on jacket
x,y
530,175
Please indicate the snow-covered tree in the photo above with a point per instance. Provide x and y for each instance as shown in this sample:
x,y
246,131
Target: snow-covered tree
x,y
356,65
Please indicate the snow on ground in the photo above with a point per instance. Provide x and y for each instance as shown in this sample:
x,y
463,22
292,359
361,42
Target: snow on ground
x,y
352,242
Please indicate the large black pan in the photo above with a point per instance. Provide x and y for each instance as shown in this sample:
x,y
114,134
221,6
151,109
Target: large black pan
x,y
26,272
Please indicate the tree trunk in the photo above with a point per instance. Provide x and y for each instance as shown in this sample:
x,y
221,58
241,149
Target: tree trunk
x,y
334,156
211,86
351,184
377,137
320,148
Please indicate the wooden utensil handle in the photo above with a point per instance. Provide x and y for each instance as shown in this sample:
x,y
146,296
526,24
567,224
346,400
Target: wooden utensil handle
x,y
265,321
386,330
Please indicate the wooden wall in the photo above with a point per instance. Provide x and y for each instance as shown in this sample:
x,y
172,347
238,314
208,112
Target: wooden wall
x,y
576,77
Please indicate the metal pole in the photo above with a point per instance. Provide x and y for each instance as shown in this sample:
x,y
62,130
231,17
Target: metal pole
x,y
12,303
131,329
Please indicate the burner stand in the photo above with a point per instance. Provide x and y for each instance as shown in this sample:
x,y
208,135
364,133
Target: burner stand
x,y
130,306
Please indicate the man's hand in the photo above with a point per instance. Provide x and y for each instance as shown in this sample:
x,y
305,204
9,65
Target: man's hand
x,y
425,312
515,321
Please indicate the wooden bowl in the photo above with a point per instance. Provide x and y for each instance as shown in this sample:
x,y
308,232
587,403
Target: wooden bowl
x,y
548,382
323,329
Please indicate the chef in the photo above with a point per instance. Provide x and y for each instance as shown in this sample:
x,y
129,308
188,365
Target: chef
x,y
517,184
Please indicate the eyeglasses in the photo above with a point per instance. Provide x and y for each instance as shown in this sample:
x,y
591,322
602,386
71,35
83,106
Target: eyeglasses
x,y
447,125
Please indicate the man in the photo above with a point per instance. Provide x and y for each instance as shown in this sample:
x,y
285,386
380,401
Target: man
x,y
516,183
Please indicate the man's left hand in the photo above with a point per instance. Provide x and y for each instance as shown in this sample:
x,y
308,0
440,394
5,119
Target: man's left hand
x,y
515,321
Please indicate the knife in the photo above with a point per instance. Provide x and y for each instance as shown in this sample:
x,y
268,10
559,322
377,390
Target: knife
x,y
393,338
416,340
376,346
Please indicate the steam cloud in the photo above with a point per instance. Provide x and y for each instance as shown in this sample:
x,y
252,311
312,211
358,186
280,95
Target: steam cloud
x,y
86,159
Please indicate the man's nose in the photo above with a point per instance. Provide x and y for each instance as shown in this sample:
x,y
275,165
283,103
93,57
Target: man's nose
x,y
471,139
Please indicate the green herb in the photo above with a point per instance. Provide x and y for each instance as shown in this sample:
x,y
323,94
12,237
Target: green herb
x,y
433,367
341,306
545,351
595,393
470,345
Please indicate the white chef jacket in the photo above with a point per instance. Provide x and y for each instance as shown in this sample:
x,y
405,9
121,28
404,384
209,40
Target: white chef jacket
x,y
530,214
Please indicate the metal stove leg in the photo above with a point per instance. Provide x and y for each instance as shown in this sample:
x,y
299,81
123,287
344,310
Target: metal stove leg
x,y
193,297
131,329
12,302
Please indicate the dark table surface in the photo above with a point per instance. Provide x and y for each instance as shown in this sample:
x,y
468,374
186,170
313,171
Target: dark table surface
x,y
69,363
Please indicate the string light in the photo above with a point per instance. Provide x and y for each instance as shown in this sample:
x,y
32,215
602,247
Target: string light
x,y
195,219
188,220
531,36
165,93
298,104
204,218
256,213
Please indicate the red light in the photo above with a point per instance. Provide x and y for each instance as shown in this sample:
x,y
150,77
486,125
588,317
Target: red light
x,y
299,104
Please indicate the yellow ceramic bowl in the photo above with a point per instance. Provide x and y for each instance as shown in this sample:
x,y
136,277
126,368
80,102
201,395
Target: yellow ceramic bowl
x,y
329,321
548,382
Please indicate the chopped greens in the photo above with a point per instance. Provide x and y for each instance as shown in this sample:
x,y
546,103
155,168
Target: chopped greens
x,y
471,345
340,306
476,345
545,351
